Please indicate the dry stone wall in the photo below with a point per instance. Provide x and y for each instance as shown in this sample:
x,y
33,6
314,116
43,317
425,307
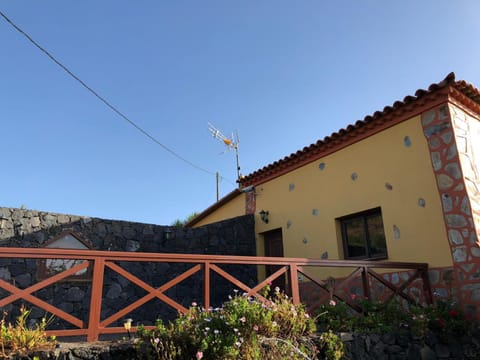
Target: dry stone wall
x,y
386,346
33,229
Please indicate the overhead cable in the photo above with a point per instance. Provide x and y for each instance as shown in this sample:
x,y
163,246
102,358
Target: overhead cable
x,y
102,99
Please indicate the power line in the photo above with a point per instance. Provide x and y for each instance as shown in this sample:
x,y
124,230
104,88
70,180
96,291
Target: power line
x,y
105,101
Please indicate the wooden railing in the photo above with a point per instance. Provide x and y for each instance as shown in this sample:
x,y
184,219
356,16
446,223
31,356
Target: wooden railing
x,y
206,265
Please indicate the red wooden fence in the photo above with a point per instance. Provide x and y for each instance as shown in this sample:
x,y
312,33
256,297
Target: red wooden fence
x,y
204,264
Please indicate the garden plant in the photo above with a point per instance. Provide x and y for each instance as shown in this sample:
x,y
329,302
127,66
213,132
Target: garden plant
x,y
444,318
245,327
265,327
252,328
20,338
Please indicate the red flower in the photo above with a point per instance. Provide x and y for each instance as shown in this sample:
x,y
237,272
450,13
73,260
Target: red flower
x,y
453,313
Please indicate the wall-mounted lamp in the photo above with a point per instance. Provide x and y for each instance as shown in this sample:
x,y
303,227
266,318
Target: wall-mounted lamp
x,y
128,325
168,234
264,216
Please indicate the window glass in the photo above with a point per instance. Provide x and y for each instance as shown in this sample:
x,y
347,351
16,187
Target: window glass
x,y
363,235
355,237
376,235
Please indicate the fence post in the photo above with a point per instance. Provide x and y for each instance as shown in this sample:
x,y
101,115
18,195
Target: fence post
x,y
206,285
294,284
96,300
427,289
366,285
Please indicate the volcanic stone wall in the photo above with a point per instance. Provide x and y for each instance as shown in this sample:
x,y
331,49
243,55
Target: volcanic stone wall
x,y
33,229
453,137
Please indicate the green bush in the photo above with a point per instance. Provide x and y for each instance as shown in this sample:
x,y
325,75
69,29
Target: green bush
x,y
273,328
244,328
332,347
444,318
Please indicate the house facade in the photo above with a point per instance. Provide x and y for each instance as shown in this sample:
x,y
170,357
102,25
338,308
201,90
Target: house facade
x,y
401,185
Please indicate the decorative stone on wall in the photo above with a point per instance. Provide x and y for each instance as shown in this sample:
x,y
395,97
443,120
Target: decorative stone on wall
x,y
452,151
32,229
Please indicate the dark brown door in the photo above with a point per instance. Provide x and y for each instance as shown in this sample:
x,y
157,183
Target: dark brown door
x,y
274,248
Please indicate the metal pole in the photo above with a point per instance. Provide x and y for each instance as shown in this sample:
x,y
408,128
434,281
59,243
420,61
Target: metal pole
x,y
238,164
218,180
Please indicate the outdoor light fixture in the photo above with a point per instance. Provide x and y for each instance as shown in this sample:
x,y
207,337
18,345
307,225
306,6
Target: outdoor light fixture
x,y
168,234
264,216
128,325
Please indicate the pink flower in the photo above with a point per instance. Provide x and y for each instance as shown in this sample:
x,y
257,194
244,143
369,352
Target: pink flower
x,y
255,328
194,303
332,302
242,319
199,355
353,296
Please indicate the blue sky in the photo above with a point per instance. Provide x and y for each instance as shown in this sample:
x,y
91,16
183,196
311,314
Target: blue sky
x,y
282,73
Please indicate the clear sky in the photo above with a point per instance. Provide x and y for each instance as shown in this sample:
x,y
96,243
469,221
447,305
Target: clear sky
x,y
282,73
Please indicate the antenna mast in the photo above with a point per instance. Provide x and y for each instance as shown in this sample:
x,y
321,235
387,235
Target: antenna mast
x,y
231,143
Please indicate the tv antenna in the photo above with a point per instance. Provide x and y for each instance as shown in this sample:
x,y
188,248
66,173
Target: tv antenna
x,y
230,143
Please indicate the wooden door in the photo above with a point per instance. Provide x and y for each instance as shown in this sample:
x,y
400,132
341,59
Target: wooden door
x,y
274,248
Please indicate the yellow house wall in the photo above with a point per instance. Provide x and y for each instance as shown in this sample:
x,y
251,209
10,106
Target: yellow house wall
x,y
306,202
233,208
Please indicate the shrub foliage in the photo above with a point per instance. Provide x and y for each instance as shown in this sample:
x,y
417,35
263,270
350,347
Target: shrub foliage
x,y
19,338
243,328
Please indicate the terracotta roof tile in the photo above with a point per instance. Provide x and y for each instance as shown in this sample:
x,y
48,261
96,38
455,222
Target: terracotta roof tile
x,y
379,119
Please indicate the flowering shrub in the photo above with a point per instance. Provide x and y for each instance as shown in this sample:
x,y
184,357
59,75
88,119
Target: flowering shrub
x,y
443,318
244,328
